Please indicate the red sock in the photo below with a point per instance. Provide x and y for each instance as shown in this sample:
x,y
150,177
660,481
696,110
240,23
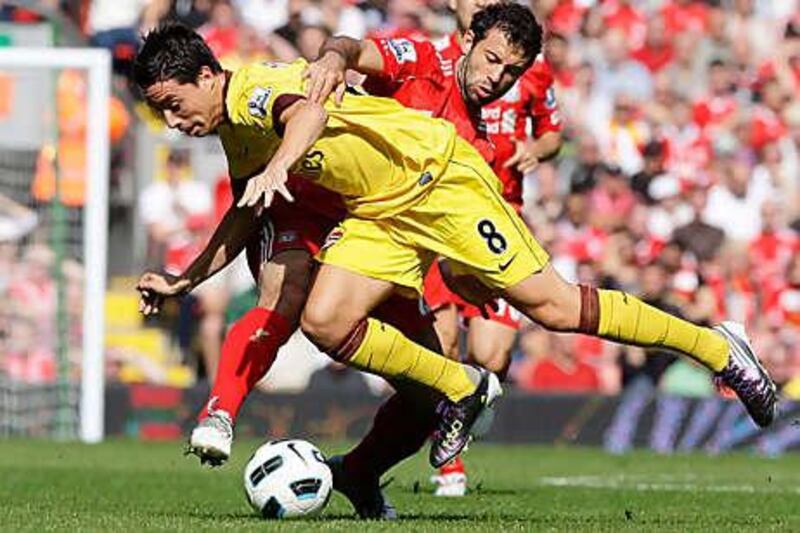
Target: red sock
x,y
456,466
394,435
248,352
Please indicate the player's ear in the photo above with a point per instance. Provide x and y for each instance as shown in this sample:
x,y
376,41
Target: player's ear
x,y
205,75
467,41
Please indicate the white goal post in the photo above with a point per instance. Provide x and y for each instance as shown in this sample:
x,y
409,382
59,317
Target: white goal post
x,y
97,62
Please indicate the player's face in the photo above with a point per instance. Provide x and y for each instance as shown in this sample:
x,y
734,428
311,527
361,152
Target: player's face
x,y
464,10
194,109
491,67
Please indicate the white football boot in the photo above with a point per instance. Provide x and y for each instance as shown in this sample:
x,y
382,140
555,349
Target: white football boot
x,y
212,437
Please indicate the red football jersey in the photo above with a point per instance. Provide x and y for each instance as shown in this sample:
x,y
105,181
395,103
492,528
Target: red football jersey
x,y
507,118
415,75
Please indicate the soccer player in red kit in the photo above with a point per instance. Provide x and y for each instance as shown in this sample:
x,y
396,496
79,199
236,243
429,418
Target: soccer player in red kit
x,y
530,105
525,128
426,76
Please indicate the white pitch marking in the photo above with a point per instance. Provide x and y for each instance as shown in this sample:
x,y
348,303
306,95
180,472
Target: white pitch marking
x,y
627,483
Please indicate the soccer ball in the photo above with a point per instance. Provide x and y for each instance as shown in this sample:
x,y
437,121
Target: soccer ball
x,y
287,479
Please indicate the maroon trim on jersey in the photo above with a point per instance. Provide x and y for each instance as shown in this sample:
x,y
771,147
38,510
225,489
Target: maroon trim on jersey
x,y
225,115
350,344
590,310
282,103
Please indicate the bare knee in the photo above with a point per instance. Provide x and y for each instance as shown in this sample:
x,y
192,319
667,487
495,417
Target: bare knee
x,y
491,347
325,328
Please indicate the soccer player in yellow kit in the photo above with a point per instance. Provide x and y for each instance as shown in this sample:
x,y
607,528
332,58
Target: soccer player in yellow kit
x,y
413,190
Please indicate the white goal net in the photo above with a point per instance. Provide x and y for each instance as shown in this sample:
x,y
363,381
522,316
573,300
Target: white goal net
x,y
54,166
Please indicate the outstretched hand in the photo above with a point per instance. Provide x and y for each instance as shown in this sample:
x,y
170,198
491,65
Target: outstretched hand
x,y
265,185
154,288
524,159
325,75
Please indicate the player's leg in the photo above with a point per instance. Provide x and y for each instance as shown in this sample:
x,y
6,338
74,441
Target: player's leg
x,y
444,306
335,320
359,270
492,243
615,315
252,342
213,299
250,348
490,340
394,436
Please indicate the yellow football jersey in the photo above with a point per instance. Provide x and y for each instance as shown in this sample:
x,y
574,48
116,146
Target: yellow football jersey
x,y
380,156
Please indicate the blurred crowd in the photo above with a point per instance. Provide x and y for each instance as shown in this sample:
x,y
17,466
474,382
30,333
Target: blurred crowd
x,y
679,179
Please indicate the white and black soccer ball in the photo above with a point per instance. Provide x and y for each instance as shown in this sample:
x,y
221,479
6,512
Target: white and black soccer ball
x,y
287,479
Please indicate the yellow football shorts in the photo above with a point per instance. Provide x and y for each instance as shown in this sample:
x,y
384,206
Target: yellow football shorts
x,y
464,218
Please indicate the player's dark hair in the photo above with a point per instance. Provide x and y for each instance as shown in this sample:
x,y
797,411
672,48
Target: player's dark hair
x,y
173,51
517,23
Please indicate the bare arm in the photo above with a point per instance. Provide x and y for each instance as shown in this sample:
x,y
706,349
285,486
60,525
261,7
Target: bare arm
x,y
336,56
547,146
303,123
227,242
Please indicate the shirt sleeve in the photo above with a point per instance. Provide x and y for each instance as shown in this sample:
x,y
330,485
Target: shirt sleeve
x,y
404,58
543,106
267,90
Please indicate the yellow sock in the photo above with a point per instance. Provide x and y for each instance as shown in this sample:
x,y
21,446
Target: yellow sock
x,y
386,352
627,319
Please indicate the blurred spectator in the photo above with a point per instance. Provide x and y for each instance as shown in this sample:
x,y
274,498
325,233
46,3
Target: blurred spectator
x,y
584,176
653,166
116,24
617,74
177,212
657,51
688,149
266,16
685,16
697,237
624,134
624,16
717,109
612,201
669,210
735,205
551,365
768,126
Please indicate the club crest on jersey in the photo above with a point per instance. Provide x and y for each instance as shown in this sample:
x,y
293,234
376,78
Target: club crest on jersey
x,y
550,98
257,104
403,50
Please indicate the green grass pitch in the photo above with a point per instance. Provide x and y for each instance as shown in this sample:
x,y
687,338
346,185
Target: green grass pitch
x,y
135,486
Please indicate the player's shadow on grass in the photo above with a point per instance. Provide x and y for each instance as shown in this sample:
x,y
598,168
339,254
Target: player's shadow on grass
x,y
454,517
